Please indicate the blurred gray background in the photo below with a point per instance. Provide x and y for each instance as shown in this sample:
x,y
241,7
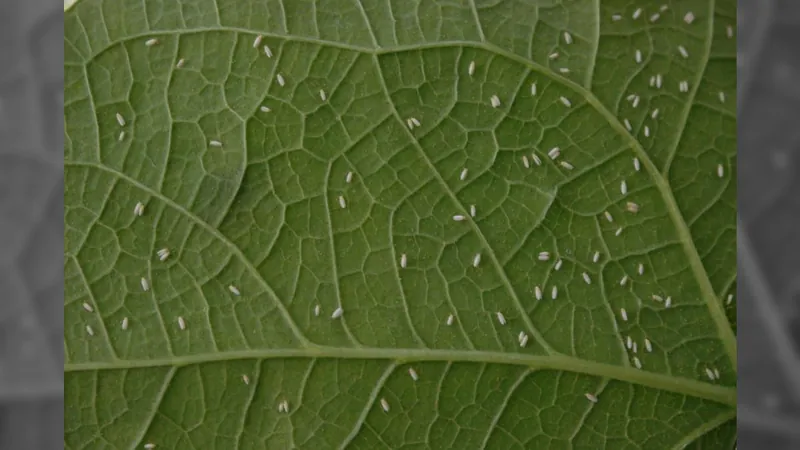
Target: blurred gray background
x,y
769,233
31,224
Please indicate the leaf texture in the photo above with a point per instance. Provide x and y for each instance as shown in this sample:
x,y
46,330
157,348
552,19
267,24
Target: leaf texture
x,y
240,157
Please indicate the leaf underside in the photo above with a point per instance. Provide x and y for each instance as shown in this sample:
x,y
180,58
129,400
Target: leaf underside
x,y
269,211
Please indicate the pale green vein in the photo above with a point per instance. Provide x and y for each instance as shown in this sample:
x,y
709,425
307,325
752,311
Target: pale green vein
x,y
698,432
475,228
721,394
362,418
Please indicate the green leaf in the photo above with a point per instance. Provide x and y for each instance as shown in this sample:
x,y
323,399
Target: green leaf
x,y
261,213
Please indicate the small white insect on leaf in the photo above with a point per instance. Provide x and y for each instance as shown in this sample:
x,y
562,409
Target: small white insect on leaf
x,y
476,260
533,89
623,187
648,345
471,68
501,319
623,281
524,341
121,136
554,153
654,114
637,166
637,13
415,121
565,101
163,254
721,96
181,323
458,218
624,314
450,320
472,211
317,310
120,120
668,302
564,70
88,307
246,379
234,290
729,300
608,216
716,373
591,397
495,101
337,313
385,405
413,374
629,343
729,31
553,55
567,38
215,143
268,51
566,165
464,173
635,348
558,265
632,207
682,50
689,18
281,80
637,56
149,446
627,124
663,8
635,102
145,284
537,291
586,278
640,269
138,210
655,17
720,170
342,202
554,293
265,109
544,256
596,257
536,159
646,131
525,162
349,177
89,330
710,374
403,260
180,63
322,95
124,324
637,362
257,41
616,17
151,42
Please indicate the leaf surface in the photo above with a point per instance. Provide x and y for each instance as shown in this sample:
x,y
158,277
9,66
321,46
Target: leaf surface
x,y
262,211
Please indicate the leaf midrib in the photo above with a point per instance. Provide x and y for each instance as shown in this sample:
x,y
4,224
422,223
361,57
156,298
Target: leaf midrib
x,y
721,394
